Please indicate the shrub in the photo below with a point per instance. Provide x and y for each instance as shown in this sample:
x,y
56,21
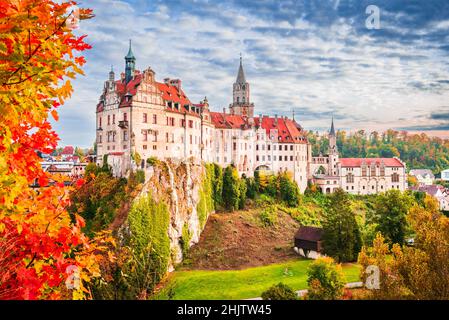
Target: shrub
x,y
217,184
268,216
279,291
140,176
251,189
288,190
152,161
325,279
185,239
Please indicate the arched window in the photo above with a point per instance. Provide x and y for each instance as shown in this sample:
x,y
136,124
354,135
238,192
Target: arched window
x,y
395,177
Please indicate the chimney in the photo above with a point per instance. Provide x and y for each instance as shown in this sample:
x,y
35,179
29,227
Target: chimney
x,y
275,119
167,80
224,110
176,83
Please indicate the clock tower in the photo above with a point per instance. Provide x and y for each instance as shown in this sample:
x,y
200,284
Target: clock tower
x,y
241,104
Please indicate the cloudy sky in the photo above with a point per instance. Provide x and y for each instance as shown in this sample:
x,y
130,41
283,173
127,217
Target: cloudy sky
x,y
314,56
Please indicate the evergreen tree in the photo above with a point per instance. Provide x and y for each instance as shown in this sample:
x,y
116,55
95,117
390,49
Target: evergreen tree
x,y
391,210
342,239
231,188
242,193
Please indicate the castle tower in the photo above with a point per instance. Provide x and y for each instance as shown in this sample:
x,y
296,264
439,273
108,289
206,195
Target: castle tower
x,y
130,64
333,151
241,104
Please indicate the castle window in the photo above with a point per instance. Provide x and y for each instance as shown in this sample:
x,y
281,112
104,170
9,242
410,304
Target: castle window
x,y
190,123
145,118
269,147
291,148
395,177
99,122
109,119
113,119
257,147
154,118
291,158
125,117
373,171
125,135
363,171
257,158
382,171
350,178
145,136
238,99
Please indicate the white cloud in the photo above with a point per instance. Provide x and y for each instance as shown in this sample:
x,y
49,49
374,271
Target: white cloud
x,y
366,82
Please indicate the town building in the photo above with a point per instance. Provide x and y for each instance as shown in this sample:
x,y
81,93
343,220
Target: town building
x,y
424,176
445,175
438,192
138,118
356,175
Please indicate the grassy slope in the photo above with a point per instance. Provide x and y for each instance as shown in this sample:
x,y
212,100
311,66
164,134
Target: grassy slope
x,y
244,284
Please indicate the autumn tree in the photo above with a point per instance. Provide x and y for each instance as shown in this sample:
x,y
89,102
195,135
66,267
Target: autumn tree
x,y
39,242
325,279
418,272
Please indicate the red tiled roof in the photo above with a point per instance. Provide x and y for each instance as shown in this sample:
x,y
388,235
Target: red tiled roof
x,y
169,93
68,150
288,131
116,153
357,162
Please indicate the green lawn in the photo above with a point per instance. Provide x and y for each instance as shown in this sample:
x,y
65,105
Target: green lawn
x,y
243,284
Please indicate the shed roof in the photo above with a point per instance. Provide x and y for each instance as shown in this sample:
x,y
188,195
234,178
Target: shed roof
x,y
309,233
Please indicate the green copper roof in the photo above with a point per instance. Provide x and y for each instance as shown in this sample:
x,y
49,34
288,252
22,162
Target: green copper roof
x,y
130,54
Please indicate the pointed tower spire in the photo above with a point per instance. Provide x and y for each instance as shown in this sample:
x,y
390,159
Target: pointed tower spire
x,y
130,64
130,54
332,131
241,74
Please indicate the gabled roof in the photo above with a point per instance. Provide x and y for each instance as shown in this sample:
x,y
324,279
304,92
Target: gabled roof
x,y
422,172
169,93
357,162
309,234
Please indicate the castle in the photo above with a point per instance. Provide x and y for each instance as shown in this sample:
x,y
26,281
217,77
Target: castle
x,y
139,118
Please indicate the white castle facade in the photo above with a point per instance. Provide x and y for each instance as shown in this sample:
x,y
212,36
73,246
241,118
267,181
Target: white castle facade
x,y
139,118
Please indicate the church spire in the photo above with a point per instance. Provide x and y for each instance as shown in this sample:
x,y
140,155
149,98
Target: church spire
x,y
130,64
332,131
241,74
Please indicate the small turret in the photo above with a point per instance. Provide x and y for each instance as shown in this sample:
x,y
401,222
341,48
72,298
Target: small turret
x,y
130,64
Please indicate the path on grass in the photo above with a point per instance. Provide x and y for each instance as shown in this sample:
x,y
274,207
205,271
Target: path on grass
x,y
300,293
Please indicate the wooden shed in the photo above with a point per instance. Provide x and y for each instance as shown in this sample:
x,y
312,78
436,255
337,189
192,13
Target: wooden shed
x,y
308,241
